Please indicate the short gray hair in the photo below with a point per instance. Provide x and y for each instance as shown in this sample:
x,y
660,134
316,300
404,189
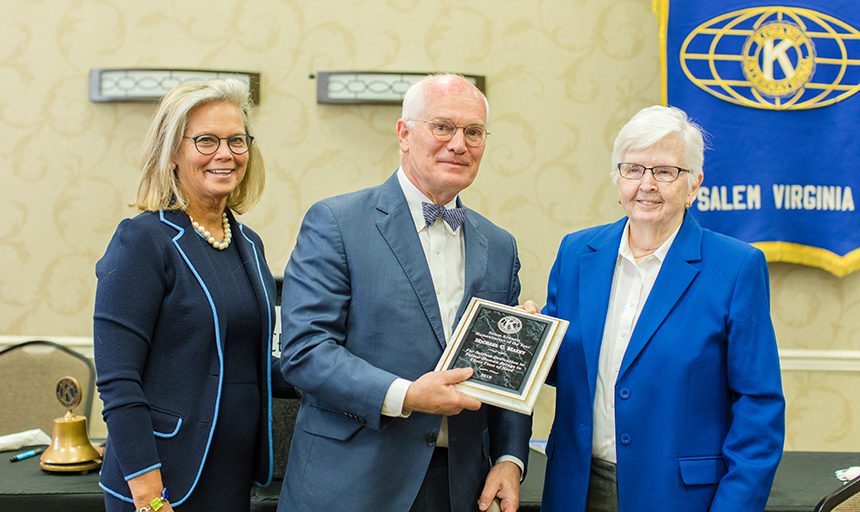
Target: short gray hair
x,y
653,124
415,99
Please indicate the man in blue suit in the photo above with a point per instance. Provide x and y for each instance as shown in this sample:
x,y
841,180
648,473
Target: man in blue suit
x,y
372,291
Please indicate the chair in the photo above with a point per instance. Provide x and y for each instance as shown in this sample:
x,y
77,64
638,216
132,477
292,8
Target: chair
x,y
844,499
30,371
284,411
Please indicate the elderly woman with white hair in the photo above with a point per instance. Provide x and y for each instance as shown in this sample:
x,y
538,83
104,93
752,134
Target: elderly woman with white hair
x,y
669,394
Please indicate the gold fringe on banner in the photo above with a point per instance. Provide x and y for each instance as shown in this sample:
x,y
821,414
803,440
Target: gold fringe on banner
x,y
785,252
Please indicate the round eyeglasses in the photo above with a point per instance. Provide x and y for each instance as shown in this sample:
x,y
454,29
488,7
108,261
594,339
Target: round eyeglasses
x,y
444,131
207,143
661,173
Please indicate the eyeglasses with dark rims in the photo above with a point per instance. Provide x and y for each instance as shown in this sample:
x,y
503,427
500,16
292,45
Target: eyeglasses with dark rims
x,y
208,143
661,173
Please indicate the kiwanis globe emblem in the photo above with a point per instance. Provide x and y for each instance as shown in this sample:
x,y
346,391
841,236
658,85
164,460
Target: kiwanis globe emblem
x,y
510,325
778,58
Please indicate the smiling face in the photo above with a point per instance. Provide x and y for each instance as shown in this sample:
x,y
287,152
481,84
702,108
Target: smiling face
x,y
651,204
207,180
440,170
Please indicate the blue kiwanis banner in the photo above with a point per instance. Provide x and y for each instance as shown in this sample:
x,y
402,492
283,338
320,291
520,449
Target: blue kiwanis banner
x,y
774,84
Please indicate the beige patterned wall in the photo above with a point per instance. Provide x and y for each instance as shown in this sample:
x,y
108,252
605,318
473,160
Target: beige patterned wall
x,y
562,77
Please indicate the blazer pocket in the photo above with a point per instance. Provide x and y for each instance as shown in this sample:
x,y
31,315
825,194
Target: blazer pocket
x,y
165,424
702,470
330,424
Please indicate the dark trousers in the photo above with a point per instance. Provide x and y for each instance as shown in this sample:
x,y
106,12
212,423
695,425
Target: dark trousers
x,y
602,487
434,494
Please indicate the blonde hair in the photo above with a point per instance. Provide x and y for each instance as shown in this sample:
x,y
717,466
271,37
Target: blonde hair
x,y
158,186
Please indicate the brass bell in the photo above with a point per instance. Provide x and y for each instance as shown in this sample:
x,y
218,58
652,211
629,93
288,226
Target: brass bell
x,y
70,449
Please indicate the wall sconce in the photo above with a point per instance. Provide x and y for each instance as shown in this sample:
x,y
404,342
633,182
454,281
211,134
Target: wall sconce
x,y
371,87
142,85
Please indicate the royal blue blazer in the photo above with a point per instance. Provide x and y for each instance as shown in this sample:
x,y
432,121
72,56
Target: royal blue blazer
x,y
158,344
699,410
359,310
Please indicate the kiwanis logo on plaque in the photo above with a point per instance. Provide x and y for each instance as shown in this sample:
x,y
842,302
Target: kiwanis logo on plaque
x,y
510,325
778,58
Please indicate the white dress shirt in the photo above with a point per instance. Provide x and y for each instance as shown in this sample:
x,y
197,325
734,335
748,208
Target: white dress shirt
x,y
445,250
631,285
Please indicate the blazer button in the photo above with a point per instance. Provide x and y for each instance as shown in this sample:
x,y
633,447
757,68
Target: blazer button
x,y
626,439
430,439
624,393
355,417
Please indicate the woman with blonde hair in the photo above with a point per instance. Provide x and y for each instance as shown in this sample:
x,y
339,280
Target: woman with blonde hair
x,y
184,315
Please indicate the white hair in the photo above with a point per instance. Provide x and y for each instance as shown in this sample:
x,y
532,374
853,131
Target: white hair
x,y
653,124
415,99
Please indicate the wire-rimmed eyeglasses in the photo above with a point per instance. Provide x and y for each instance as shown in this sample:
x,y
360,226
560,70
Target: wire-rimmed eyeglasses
x,y
444,130
661,173
208,143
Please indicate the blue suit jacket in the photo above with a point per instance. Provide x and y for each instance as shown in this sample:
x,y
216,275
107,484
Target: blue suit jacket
x,y
158,349
359,310
699,409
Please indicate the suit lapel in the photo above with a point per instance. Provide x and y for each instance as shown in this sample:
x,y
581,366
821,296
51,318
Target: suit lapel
x,y
192,252
676,275
596,270
477,258
251,255
396,226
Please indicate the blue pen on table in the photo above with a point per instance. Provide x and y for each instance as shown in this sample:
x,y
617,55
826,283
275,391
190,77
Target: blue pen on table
x,y
26,455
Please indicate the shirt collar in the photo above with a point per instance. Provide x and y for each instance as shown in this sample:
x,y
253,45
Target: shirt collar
x,y
661,252
414,198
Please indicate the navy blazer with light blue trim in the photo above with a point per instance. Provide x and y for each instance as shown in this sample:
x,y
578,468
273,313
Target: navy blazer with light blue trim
x,y
158,342
699,410
359,310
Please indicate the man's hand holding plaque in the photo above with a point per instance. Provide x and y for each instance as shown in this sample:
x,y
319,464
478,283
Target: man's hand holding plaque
x,y
510,351
436,393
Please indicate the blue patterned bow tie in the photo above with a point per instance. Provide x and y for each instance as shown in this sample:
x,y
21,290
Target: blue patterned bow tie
x,y
455,217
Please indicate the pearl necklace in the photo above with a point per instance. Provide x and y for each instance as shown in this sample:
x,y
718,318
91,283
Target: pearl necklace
x,y
228,236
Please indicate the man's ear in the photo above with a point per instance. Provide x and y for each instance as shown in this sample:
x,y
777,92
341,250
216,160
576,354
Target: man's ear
x,y
403,135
